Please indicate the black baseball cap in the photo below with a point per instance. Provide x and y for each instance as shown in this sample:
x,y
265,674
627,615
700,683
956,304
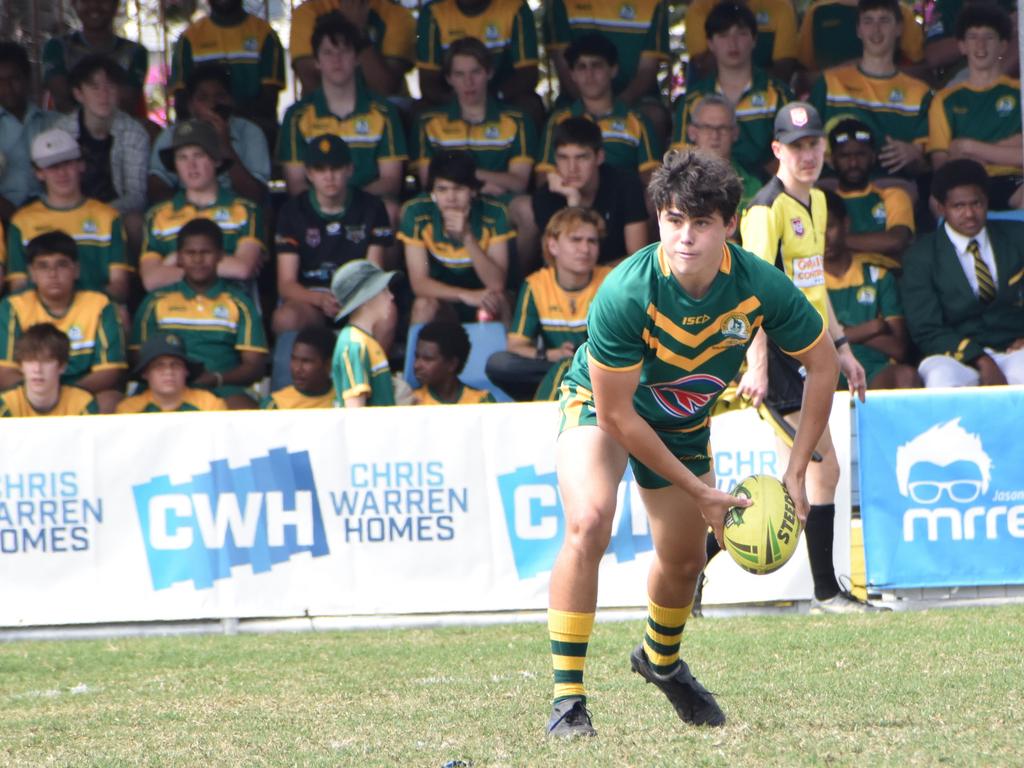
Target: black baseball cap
x,y
797,120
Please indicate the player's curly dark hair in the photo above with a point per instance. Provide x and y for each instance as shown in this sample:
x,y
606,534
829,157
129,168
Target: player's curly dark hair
x,y
962,172
696,184
451,339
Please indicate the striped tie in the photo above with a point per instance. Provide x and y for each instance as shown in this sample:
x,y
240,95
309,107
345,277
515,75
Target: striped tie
x,y
986,286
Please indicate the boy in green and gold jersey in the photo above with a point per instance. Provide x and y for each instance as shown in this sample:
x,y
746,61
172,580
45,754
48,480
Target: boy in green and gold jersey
x,y
979,118
167,371
667,331
42,353
310,368
360,369
441,353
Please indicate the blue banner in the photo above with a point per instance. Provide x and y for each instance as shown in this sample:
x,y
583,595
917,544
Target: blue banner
x,y
942,487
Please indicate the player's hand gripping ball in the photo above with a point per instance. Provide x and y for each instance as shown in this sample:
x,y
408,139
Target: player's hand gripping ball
x,y
763,536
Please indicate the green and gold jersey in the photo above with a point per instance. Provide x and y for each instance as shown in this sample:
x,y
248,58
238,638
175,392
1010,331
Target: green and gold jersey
x,y
239,219
506,27
250,50
755,113
688,350
373,131
192,400
95,227
291,397
72,402
360,367
637,28
776,29
467,396
505,137
390,27
449,261
629,141
91,324
878,209
895,106
865,292
784,232
990,115
828,35
216,325
556,315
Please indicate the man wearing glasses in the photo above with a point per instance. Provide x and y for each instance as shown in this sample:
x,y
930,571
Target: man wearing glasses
x,y
713,128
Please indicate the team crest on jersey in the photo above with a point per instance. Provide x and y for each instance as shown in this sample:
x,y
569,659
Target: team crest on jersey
x,y
798,225
757,99
355,234
736,325
312,237
333,228
866,294
1005,105
220,311
362,127
896,96
763,19
75,333
491,132
685,397
221,214
89,227
249,44
382,231
878,213
627,12
491,32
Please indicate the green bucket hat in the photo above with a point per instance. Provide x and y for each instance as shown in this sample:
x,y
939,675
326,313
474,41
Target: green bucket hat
x,y
165,345
355,283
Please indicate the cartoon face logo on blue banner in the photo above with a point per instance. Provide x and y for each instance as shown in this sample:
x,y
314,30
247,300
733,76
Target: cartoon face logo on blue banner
x,y
261,514
944,464
536,523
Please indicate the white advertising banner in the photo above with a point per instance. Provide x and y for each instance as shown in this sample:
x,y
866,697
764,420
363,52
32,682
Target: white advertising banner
x,y
293,513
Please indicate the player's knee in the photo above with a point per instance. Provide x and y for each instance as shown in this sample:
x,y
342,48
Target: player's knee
x,y
589,533
684,567
906,377
291,316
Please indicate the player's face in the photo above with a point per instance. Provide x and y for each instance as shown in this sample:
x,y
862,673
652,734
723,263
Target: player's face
x,y
385,316
835,237
310,372
13,88
576,251
198,257
732,48
211,95
430,366
54,275
448,195
853,161
95,14
713,131
691,244
965,209
63,179
98,95
802,160
982,47
879,31
329,182
337,62
42,375
593,77
226,6
577,165
468,78
166,375
195,167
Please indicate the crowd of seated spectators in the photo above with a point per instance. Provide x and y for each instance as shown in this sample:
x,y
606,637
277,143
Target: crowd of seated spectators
x,y
150,268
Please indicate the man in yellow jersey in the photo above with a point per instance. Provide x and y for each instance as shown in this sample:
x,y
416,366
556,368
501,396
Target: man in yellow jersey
x,y
42,353
167,371
310,368
785,226
667,332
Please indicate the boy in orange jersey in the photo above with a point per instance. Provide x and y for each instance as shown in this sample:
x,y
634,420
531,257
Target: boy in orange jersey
x,y
43,353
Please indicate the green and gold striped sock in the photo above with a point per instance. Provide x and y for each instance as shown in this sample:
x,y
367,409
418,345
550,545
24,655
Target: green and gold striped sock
x,y
569,633
662,635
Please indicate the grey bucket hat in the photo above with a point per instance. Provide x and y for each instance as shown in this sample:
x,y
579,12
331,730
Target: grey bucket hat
x,y
165,345
200,134
356,282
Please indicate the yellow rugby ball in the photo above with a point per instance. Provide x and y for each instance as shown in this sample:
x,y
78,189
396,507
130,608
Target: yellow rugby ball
x,y
763,536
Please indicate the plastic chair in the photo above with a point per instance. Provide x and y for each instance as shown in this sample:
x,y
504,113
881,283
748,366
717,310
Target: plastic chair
x,y
485,339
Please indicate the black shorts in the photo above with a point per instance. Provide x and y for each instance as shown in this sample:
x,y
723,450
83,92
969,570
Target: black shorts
x,y
785,381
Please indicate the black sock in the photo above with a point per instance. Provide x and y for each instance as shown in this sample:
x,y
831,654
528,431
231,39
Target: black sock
x,y
711,546
820,528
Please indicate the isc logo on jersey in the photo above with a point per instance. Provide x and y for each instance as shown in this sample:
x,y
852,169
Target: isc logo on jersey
x,y
536,523
260,514
946,474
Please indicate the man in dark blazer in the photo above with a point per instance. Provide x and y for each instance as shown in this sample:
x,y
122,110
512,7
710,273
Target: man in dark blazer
x,y
963,287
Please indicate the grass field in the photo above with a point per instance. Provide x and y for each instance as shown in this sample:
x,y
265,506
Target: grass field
x,y
906,689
